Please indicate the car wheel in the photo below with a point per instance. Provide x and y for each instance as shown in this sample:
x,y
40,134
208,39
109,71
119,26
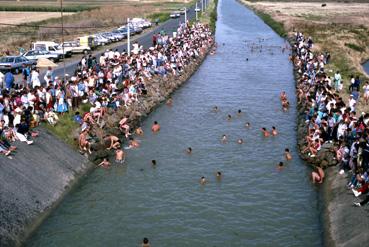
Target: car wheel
x,y
53,59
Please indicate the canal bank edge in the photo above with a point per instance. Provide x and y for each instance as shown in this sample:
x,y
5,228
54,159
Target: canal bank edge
x,y
340,219
34,182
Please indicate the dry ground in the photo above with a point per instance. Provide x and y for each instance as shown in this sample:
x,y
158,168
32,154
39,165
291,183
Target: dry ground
x,y
10,17
340,28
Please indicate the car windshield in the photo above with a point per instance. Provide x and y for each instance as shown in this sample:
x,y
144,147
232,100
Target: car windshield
x,y
7,60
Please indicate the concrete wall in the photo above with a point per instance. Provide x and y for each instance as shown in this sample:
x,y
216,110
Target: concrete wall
x,y
33,182
345,225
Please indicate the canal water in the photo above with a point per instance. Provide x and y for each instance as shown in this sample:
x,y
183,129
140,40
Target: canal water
x,y
253,204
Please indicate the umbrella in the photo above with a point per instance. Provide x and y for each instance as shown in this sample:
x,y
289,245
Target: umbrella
x,y
44,63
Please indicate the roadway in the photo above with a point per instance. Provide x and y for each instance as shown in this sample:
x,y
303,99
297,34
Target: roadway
x,y
145,40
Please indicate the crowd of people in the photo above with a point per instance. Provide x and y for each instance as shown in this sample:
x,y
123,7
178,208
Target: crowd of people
x,y
113,80
332,120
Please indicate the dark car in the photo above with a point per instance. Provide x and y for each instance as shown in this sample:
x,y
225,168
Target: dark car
x,y
14,63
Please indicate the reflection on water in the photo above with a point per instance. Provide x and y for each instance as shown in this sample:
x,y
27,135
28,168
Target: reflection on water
x,y
253,204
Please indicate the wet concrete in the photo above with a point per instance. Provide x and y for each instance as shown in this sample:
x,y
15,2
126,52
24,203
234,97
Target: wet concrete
x,y
33,182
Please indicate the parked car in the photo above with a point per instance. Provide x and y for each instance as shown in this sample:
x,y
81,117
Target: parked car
x,y
137,29
175,15
33,55
120,32
52,47
100,40
14,63
75,47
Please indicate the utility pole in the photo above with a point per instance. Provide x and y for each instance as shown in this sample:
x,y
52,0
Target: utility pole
x,y
185,15
62,29
202,6
128,39
197,13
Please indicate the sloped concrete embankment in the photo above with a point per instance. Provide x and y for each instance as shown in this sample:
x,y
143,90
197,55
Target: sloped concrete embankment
x,y
33,183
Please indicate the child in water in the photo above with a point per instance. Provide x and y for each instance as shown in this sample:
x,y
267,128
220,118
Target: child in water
x,y
287,154
274,131
203,180
280,166
105,163
265,132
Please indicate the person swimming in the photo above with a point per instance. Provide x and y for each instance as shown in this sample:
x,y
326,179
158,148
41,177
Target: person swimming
x,y
203,180
247,125
105,163
280,166
218,175
224,138
133,143
287,154
229,117
239,112
318,175
119,156
240,141
155,127
139,131
189,150
274,131
265,132
153,162
215,109
145,242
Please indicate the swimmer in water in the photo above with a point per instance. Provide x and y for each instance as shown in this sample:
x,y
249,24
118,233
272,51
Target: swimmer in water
x,y
189,150
215,109
247,125
240,141
105,163
203,180
155,127
139,131
169,101
119,156
265,132
153,163
287,154
318,175
218,175
145,242
239,112
133,143
229,117
274,131
280,166
224,139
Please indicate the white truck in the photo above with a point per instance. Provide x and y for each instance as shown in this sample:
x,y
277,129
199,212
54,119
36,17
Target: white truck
x,y
52,47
